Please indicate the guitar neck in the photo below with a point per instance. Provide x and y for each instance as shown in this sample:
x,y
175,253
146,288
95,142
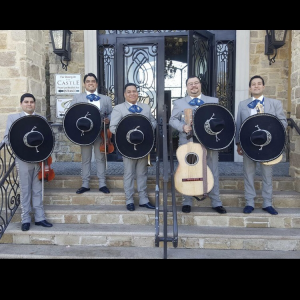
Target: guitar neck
x,y
188,117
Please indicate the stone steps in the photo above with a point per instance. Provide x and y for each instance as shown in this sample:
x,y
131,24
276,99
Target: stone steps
x,y
97,225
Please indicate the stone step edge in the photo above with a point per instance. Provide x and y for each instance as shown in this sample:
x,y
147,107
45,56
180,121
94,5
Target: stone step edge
x,y
16,251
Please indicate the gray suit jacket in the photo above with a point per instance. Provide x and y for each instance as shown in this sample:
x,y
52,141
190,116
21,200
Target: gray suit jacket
x,y
177,116
105,103
271,106
121,110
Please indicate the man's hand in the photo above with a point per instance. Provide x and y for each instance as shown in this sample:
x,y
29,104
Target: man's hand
x,y
239,149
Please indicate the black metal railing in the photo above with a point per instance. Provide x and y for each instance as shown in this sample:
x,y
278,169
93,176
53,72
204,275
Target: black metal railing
x,y
292,124
9,187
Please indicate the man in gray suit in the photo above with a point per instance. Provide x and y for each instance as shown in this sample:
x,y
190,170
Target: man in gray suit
x,y
193,100
104,103
133,167
247,108
30,185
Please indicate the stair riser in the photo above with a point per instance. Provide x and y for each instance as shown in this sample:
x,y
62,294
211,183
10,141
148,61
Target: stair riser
x,y
228,200
133,240
148,218
235,183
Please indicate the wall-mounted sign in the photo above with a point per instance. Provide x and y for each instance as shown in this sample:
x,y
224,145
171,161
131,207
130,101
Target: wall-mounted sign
x,y
67,83
61,106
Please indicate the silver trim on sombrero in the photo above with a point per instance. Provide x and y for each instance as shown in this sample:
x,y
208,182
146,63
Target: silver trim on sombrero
x,y
128,136
209,131
92,124
25,139
269,137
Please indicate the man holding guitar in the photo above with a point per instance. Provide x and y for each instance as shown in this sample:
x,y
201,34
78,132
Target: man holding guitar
x,y
178,122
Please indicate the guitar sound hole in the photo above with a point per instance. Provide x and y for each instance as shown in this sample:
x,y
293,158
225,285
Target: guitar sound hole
x,y
192,159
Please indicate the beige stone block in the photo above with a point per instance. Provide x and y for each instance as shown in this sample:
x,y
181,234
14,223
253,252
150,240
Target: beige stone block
x,y
237,244
295,222
282,245
190,243
7,238
236,222
120,241
279,222
217,243
143,242
254,244
98,240
141,219
211,220
68,240
75,218
22,238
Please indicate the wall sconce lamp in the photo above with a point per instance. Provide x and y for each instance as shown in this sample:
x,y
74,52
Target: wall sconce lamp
x,y
61,45
274,40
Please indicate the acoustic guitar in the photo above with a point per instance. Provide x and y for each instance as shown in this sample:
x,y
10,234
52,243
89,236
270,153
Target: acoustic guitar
x,y
193,176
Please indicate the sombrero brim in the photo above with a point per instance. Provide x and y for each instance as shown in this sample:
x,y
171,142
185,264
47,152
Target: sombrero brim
x,y
225,137
130,122
266,122
20,128
80,110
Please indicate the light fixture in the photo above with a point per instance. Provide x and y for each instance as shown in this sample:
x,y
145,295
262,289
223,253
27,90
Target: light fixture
x,y
61,45
274,40
170,70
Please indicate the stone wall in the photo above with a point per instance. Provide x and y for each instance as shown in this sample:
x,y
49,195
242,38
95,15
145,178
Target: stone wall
x,y
295,108
22,70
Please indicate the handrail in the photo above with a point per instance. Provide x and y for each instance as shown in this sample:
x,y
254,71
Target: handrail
x,y
293,124
166,146
9,187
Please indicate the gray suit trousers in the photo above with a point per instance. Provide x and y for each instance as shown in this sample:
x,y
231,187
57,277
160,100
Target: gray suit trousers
x,y
86,153
135,168
30,191
249,167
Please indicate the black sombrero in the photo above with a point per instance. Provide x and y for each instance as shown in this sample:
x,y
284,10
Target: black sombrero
x,y
134,136
82,123
262,137
214,126
31,138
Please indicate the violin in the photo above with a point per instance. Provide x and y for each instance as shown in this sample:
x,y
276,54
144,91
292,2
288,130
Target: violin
x,y
108,144
47,170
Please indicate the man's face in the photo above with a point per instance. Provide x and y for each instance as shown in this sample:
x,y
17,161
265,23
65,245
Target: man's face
x,y
256,88
90,84
193,87
131,95
28,105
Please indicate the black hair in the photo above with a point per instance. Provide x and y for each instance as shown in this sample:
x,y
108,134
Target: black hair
x,y
256,76
192,76
129,84
90,74
26,95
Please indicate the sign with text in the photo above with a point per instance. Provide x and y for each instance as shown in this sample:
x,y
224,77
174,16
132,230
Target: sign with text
x,y
62,106
67,83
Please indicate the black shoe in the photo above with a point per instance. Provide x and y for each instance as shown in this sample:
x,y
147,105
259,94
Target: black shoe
x,y
148,205
220,209
25,226
130,207
271,210
44,223
104,189
248,209
82,190
186,208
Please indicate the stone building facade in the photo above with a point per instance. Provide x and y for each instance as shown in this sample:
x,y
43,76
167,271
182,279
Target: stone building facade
x,y
28,64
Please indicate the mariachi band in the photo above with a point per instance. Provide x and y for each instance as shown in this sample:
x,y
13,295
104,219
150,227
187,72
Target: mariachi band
x,y
261,137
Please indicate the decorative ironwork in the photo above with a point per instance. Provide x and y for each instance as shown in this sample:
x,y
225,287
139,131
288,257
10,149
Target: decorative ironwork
x,y
9,187
138,31
200,54
141,68
107,61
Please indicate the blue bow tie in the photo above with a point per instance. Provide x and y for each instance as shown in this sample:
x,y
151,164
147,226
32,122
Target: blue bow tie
x,y
135,109
92,97
253,103
196,101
